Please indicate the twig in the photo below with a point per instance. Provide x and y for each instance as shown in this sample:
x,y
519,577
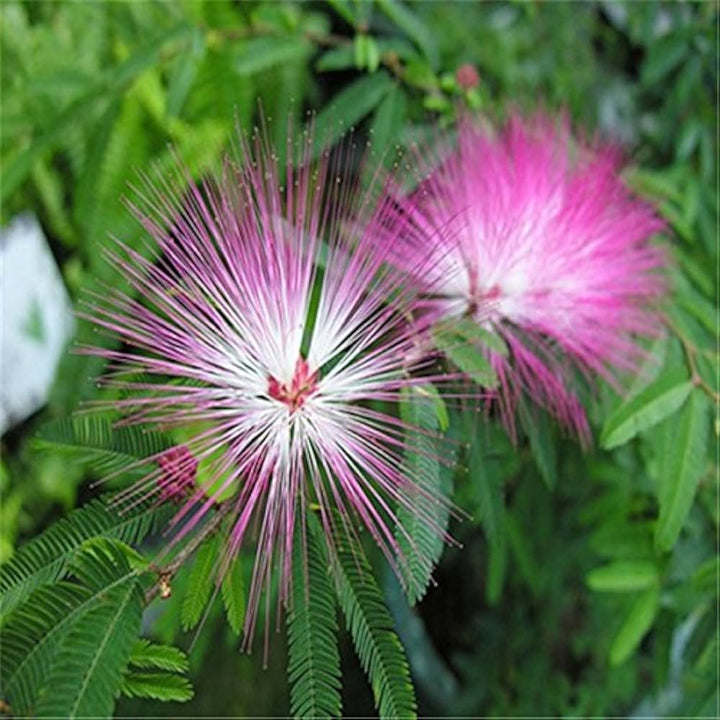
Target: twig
x,y
389,59
166,573
690,351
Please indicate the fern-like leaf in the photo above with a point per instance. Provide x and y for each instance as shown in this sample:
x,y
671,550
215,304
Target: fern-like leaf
x,y
233,595
200,583
34,634
147,654
95,441
421,542
157,672
30,638
167,687
368,620
45,558
88,671
314,663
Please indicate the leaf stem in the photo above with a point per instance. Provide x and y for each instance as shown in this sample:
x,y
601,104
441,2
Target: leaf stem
x,y
166,573
690,351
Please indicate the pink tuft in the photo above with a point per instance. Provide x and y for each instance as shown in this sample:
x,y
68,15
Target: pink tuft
x,y
266,313
535,235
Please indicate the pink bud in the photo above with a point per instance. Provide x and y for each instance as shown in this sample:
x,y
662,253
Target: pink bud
x,y
467,76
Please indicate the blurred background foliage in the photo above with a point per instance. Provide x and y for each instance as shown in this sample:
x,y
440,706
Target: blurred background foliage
x,y
587,584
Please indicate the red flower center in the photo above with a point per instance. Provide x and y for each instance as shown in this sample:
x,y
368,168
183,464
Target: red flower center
x,y
294,393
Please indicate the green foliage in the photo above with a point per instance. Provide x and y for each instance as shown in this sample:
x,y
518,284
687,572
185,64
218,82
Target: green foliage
x,y
684,464
638,621
233,595
466,345
651,406
95,441
147,654
166,687
200,583
157,672
624,576
349,107
88,669
314,661
635,518
377,646
65,649
45,559
419,535
538,428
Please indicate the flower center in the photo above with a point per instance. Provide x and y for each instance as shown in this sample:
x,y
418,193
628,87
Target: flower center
x,y
294,393
483,302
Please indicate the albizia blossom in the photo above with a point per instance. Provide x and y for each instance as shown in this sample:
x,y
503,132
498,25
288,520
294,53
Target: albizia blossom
x,y
534,234
269,326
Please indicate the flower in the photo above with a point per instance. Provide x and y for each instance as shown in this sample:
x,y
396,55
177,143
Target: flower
x,y
269,327
541,242
467,76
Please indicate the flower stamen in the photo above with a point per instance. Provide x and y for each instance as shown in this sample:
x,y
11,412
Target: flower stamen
x,y
294,393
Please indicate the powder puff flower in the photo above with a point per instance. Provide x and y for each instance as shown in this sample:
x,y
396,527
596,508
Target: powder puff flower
x,y
269,326
541,242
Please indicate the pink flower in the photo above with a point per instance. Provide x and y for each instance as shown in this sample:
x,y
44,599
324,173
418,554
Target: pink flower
x,y
273,323
534,234
467,76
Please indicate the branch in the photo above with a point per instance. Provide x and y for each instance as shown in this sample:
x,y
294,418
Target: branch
x,y
690,351
166,573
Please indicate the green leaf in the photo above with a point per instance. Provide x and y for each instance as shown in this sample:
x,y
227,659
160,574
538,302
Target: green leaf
x,y
166,687
200,583
521,547
388,120
663,57
378,647
637,623
88,671
623,576
487,483
263,53
497,565
35,632
147,654
349,107
419,535
660,399
339,58
233,595
413,27
184,73
705,578
94,440
651,366
45,558
682,468
490,339
468,358
468,345
345,10
536,423
112,84
314,661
